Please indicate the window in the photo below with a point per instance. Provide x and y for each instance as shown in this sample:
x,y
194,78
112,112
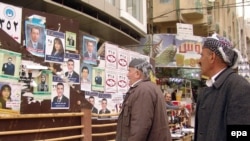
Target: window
x,y
135,12
134,8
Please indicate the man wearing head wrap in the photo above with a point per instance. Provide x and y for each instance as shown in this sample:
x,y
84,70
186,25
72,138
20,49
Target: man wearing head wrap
x,y
226,98
143,116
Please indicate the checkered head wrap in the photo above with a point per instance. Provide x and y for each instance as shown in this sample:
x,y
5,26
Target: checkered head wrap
x,y
222,47
142,65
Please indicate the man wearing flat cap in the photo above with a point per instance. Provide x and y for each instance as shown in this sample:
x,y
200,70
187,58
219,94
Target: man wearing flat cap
x,y
143,116
226,99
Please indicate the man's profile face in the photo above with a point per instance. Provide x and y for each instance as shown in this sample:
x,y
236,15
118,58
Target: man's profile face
x,y
35,34
85,73
59,90
70,65
90,46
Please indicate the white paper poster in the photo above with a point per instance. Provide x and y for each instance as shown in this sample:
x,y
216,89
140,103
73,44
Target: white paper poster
x,y
110,55
11,20
122,82
122,59
111,81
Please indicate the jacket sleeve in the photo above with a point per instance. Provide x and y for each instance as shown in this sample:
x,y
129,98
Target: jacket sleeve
x,y
238,103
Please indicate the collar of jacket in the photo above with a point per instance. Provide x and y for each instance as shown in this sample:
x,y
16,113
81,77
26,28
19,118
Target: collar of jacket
x,y
219,80
132,88
138,83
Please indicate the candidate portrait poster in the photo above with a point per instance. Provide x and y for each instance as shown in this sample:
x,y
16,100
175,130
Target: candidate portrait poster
x,y
98,79
44,82
55,46
70,41
89,50
10,65
86,77
71,67
60,97
35,38
10,98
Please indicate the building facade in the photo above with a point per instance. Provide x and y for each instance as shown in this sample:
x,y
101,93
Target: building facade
x,y
116,21
206,16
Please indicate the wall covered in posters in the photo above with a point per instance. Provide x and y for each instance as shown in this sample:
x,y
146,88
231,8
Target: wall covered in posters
x,y
55,64
38,61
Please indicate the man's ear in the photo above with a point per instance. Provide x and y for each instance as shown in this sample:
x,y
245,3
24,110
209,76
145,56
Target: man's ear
x,y
138,73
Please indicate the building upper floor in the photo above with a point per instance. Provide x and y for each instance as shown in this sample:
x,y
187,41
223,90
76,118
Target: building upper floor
x,y
117,21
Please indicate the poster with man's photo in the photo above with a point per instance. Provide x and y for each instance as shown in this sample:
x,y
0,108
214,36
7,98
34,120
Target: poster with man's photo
x,y
105,105
89,50
44,83
70,41
60,97
86,77
35,38
93,98
71,67
10,65
55,46
98,75
10,98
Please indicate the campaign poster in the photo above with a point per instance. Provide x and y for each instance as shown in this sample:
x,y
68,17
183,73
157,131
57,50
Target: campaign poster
x,y
122,82
71,67
10,97
111,55
105,105
44,82
86,77
89,50
70,41
35,38
110,81
98,77
60,97
122,59
93,98
11,20
55,46
116,101
10,65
